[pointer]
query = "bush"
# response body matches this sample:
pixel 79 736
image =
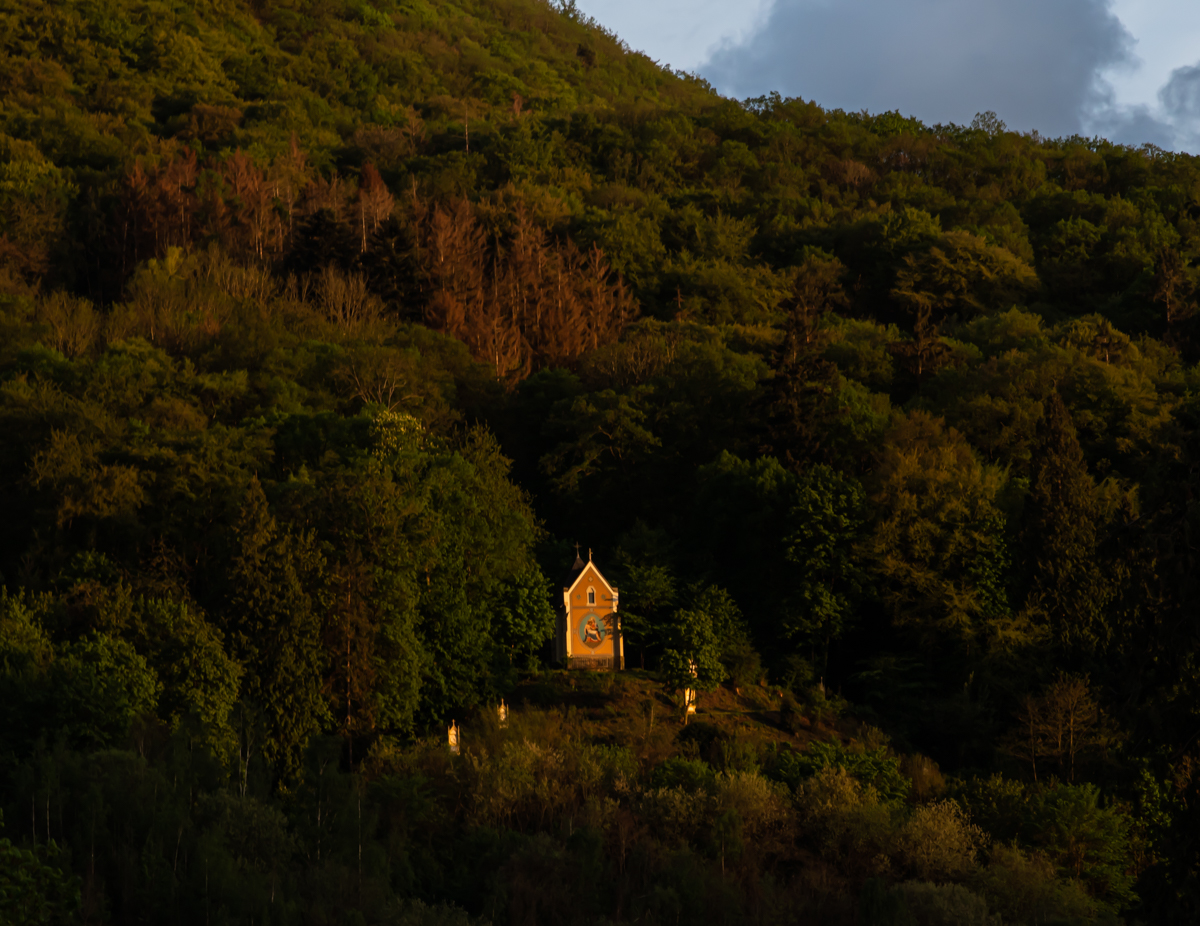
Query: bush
pixel 927 780
pixel 999 805
pixel 742 664
pixel 702 739
pixel 1088 842
pixel 675 815
pixel 1023 888
pixel 791 714
pixel 945 905
pixel 763 807
pixel 845 820
pixel 689 774
pixel 521 783
pixel 417 913
pixel 33 893
pixel 939 841
pixel 871 767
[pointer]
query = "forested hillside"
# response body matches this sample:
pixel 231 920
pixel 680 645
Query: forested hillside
pixel 329 328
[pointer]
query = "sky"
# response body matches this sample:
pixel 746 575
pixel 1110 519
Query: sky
pixel 1128 69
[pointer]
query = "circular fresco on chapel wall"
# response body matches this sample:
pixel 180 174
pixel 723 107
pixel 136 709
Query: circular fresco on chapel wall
pixel 592 629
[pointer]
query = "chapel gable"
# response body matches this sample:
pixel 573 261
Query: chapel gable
pixel 588 634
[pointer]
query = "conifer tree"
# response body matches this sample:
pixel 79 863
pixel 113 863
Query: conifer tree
pixel 1067 584
pixel 803 392
pixel 274 623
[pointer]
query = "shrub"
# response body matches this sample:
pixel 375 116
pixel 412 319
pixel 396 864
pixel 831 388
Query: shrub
pixel 597 769
pixel 762 806
pixel 791 714
pixel 874 767
pixel 999 805
pixel 939 841
pixel 522 783
pixel 845 820
pixel 1023 888
pixel 703 739
pixel 32 892
pixel 418 913
pixel 689 774
pixel 927 780
pixel 945 905
pixel 742 664
pixel 675 815
pixel 1088 842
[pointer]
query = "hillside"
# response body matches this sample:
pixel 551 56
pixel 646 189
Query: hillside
pixel 327 330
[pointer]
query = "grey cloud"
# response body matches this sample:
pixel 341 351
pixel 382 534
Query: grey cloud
pixel 1175 124
pixel 1129 125
pixel 1034 62
pixel 1180 95
pixel 1180 99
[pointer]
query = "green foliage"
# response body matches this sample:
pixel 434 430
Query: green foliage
pixel 525 619
pixel 688 774
pixel 32 892
pixel 938 543
pixel 274 625
pixel 1068 584
pixel 945 904
pixel 829 513
pixel 647 592
pixel 99 686
pixel 200 682
pixel 1020 886
pixel 873 768
pixel 1088 841
pixel 938 841
pixel 692 655
pixel 316 319
pixel 1068 827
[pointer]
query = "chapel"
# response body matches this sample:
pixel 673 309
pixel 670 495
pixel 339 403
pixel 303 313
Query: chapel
pixel 589 634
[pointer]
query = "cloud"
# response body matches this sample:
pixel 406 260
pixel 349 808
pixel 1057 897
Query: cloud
pixel 1173 124
pixel 1129 125
pixel 1180 101
pixel 1036 63
pixel 1180 96
pixel 677 32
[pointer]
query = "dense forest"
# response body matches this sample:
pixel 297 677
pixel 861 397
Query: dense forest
pixel 330 327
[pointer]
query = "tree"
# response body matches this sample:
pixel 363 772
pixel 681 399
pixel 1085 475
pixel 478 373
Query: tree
pixel 828 517
pixel 200 682
pixel 692 657
pixel 26 654
pixel 925 353
pixel 1175 291
pixel 375 203
pixel 99 687
pixel 273 618
pixel 1068 587
pixel 602 432
pixel 524 617
pixel 802 398
pixel 648 592
pixel 1087 840
pixel 959 276
pixel 322 240
pixel 1063 723
pixel 32 892
pixel 937 548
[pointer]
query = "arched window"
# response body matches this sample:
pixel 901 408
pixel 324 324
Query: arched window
pixel 591 596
